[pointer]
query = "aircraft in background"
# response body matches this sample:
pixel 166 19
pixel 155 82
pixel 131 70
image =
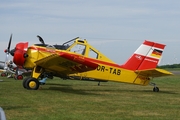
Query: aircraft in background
pixel 2 69
pixel 77 59
pixel 11 70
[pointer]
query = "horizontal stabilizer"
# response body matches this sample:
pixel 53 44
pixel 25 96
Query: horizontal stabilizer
pixel 154 72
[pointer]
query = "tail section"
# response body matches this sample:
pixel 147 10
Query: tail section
pixel 147 56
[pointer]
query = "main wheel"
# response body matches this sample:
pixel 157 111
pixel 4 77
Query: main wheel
pixel 3 74
pixel 19 77
pixel 31 84
pixel 155 89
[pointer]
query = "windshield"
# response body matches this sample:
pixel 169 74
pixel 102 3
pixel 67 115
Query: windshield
pixel 70 42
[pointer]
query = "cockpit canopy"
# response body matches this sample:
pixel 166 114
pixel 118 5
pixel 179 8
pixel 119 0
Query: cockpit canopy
pixel 64 46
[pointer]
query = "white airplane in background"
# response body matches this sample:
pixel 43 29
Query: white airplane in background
pixel 9 69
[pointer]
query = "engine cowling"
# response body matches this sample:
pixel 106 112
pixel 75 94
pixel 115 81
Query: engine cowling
pixel 20 53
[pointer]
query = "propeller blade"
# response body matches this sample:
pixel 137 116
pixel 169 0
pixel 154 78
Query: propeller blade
pixel 7 53
pixel 9 45
pixel 6 61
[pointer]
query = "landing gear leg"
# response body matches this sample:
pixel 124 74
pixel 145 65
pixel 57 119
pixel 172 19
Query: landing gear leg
pixel 155 89
pixel 32 83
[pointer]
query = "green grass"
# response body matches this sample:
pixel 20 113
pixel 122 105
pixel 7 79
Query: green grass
pixel 82 100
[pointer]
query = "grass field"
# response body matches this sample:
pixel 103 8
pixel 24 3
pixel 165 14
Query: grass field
pixel 82 100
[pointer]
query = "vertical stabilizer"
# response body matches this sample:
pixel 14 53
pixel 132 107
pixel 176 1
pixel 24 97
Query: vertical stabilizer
pixel 147 56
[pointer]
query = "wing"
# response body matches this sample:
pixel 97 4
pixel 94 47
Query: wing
pixel 66 63
pixel 154 72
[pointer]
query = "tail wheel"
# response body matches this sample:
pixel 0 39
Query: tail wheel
pixel 31 84
pixel 155 89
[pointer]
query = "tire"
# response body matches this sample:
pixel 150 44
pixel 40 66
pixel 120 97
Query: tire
pixel 155 89
pixel 19 77
pixel 24 82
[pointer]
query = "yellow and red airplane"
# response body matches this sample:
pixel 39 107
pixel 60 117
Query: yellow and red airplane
pixel 76 59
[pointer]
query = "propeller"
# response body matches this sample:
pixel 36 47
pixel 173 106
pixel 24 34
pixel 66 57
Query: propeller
pixel 18 53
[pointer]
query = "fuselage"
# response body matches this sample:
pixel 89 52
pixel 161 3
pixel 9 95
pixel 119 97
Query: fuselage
pixel 107 70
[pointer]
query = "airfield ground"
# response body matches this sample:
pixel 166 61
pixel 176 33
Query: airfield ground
pixel 82 100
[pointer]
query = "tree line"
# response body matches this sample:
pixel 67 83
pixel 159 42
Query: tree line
pixel 169 66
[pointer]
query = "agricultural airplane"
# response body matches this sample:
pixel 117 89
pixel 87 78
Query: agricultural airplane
pixel 76 59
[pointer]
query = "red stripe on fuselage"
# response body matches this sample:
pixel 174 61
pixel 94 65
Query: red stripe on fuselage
pixel 85 58
pixel 42 49
pixel 75 58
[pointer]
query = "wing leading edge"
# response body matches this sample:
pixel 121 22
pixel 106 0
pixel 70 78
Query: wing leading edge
pixel 154 72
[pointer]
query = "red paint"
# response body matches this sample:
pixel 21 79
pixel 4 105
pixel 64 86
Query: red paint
pixel 148 63
pixel 149 43
pixel 161 46
pixel 20 50
pixel 78 59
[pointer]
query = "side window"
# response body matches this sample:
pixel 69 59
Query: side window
pixel 93 54
pixel 80 49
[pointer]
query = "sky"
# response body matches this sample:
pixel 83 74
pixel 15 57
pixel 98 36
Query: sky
pixel 115 27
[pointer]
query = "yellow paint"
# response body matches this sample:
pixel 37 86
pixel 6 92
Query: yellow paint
pixel 155 55
pixel 125 76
